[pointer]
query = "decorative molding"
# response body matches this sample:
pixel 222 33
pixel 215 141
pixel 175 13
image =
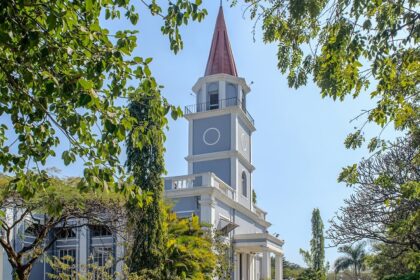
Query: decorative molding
pixel 221 155
pixel 222 111
pixel 205 140
pixel 221 77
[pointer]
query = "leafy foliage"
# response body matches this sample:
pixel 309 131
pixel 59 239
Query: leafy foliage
pixel 392 260
pixel 254 197
pixel 189 250
pixel 409 276
pixel 349 47
pixel 62 76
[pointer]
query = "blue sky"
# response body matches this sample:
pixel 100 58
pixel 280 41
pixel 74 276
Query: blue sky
pixel 298 147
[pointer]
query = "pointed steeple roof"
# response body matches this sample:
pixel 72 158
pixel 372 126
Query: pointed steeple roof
pixel 221 56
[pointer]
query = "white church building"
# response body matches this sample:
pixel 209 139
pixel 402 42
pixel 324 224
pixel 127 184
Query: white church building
pixel 218 187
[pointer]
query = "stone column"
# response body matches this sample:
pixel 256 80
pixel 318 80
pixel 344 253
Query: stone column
pixel 252 267
pixel 266 265
pixel 279 267
pixel 244 266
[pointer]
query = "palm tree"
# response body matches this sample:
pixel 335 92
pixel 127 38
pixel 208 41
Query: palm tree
pixel 354 257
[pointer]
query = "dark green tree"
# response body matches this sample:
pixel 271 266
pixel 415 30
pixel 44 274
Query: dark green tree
pixel 392 260
pixel 146 164
pixel 354 258
pixel 315 258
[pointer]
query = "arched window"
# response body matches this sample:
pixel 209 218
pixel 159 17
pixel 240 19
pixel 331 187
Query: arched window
pixel 244 184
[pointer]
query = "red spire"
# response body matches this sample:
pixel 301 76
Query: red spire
pixel 220 57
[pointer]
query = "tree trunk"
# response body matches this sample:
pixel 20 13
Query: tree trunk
pixel 21 273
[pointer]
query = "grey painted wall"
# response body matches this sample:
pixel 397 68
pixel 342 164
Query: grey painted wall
pixel 246 225
pixel 220 167
pixel 222 124
pixel 222 209
pixel 186 204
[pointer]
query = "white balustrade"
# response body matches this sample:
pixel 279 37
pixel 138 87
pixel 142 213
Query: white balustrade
pixel 207 180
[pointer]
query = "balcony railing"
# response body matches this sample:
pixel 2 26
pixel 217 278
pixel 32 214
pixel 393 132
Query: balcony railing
pixel 207 179
pixel 222 103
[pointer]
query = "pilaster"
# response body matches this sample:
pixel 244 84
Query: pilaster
pixel 83 248
pixel 279 267
pixel 252 267
pixel 207 211
pixel 222 91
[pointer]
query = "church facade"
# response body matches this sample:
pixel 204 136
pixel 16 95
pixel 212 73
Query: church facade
pixel 218 186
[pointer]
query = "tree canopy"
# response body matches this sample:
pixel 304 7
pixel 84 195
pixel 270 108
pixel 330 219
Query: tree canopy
pixel 61 75
pixel 349 48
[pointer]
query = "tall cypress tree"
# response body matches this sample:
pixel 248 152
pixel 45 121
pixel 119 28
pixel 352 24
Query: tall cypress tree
pixel 315 258
pixel 317 242
pixel 145 162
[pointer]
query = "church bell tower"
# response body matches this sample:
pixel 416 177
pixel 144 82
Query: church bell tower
pixel 220 127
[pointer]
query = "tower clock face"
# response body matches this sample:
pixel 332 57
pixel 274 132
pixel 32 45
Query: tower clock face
pixel 211 136
pixel 244 142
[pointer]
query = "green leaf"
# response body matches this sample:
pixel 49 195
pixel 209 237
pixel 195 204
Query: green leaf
pixel 86 84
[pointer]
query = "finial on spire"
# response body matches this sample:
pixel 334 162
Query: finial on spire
pixel 221 4
pixel 220 57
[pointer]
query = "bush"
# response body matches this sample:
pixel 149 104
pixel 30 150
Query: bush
pixel 410 276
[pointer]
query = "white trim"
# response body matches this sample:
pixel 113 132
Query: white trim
pixel 222 155
pixel 221 77
pixel 220 112
pixel 67 246
pixel 205 134
pixel 224 217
